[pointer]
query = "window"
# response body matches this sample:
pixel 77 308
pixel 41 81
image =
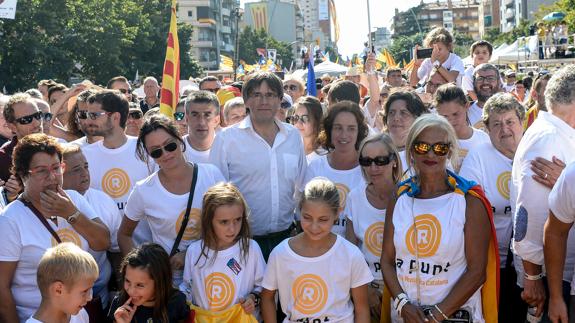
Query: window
pixel 190 13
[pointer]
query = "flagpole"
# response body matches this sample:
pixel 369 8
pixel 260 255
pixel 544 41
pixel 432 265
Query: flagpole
pixel 369 26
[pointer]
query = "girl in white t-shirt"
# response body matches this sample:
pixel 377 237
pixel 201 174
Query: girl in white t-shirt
pixel 317 273
pixel 225 267
pixel 366 205
pixel 451 103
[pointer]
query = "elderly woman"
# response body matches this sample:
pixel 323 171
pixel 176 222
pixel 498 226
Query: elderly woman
pixel 366 204
pixel 344 128
pixel 437 235
pixel 234 111
pixel 489 164
pixel 400 111
pixel 307 118
pixel 44 215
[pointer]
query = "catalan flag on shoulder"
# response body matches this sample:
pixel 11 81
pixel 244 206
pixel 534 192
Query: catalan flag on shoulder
pixel 171 76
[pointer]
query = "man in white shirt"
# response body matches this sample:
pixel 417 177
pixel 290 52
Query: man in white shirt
pixel 114 167
pixel 202 117
pixel 265 159
pixel 552 134
pixel 486 82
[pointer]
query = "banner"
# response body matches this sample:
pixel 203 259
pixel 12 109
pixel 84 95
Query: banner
pixel 8 9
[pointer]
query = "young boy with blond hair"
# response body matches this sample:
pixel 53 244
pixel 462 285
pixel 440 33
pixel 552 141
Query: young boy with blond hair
pixel 66 274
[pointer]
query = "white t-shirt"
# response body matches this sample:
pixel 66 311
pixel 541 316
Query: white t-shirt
pixel 81 317
pixel 367 226
pixel 108 212
pixel 548 136
pixel 344 180
pixel 25 241
pixel 477 138
pixel 307 292
pixel 217 284
pixel 437 225
pixel 453 63
pixel 562 201
pixel 489 168
pixel 164 211
pixel 115 172
pixel 195 156
pixel 475 115
pixel 82 142
pixel 467 81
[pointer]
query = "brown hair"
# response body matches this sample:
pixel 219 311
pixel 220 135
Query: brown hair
pixel 153 123
pixel 315 112
pixel 255 80
pixel 449 93
pixel 29 146
pixel 412 101
pixel 16 99
pixel 343 106
pixel 484 43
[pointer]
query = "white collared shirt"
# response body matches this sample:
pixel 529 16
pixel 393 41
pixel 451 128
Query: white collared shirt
pixel 548 136
pixel 268 177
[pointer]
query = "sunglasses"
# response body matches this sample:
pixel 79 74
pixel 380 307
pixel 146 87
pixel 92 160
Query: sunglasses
pixel 378 160
pixel 290 87
pixel 83 114
pixel 135 115
pixel 439 149
pixel 179 116
pixel 158 152
pixel 29 118
pixel 47 116
pixel 304 118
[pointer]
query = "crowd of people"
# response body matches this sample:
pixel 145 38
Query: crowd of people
pixel 441 194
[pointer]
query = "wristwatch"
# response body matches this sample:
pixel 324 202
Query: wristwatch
pixel 257 298
pixel 74 217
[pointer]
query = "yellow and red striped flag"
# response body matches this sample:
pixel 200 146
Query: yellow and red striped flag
pixel 171 77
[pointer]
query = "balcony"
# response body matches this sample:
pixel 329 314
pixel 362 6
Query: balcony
pixel 204 43
pixel 226 11
pixel 226 29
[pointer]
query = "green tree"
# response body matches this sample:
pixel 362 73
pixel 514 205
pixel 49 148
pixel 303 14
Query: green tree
pixel 89 39
pixel 251 40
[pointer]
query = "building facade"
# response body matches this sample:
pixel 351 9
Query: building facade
pixel 214 23
pixel 514 11
pixel 489 16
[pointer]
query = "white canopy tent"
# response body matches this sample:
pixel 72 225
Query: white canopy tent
pixel 326 67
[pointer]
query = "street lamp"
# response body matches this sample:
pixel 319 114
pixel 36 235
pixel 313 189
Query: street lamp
pixel 238 12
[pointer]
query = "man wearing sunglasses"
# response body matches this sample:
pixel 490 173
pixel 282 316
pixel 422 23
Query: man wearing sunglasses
pixel 211 84
pixel 23 117
pixel 265 159
pixel 202 117
pixel 135 120
pixel 114 167
pixel 121 84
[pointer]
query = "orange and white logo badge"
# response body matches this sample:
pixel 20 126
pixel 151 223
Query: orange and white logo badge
pixel 427 235
pixel 343 191
pixel 310 294
pixel 373 238
pixel 220 291
pixel 503 184
pixel 192 231
pixel 116 183
pixel 67 235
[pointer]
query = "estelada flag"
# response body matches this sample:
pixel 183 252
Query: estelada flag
pixel 171 78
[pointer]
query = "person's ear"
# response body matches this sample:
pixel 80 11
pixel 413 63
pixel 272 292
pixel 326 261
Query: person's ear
pixel 57 288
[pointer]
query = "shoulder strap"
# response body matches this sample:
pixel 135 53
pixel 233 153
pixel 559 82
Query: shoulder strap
pixel 187 214
pixel 41 218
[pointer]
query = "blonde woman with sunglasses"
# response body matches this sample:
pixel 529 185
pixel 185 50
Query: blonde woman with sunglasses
pixel 438 249
pixel 162 198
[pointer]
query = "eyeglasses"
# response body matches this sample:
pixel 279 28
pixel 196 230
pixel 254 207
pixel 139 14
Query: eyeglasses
pixel 28 119
pixel 158 152
pixel 135 115
pixel 212 90
pixel 44 172
pixel 47 116
pixel 268 96
pixel 304 118
pixel 439 149
pixel 285 105
pixel 486 78
pixel 124 91
pixel 290 87
pixel 179 116
pixel 378 160
pixel 83 114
